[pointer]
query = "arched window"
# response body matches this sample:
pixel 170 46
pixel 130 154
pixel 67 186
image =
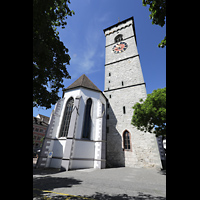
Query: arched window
pixel 119 38
pixel 87 119
pixel 126 140
pixel 66 118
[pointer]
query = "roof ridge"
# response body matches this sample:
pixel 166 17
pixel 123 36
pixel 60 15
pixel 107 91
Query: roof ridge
pixel 83 81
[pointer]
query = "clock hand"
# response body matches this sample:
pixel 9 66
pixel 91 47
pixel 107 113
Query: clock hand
pixel 119 47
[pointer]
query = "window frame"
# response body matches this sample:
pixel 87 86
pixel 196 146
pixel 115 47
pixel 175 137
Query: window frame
pixel 87 120
pixel 66 118
pixel 118 38
pixel 124 110
pixel 125 139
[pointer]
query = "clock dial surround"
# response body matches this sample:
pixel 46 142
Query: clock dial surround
pixel 119 47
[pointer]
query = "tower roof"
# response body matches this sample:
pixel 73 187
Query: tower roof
pixel 84 82
pixel 130 18
pixel 121 22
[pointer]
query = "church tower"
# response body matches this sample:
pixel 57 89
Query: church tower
pixel 124 86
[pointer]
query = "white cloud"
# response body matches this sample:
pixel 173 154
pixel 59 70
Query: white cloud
pixel 83 63
pixel 90 49
pixel 84 59
pixel 104 17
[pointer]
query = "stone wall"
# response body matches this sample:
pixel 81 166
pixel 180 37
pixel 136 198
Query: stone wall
pixel 124 86
pixel 144 151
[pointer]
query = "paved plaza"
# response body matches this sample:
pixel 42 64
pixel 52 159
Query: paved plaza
pixel 112 183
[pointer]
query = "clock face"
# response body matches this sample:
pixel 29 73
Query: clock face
pixel 119 47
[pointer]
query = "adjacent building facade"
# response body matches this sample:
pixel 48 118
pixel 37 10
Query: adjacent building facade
pixel 40 124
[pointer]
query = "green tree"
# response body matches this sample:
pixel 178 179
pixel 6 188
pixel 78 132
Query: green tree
pixel 50 56
pixel 150 115
pixel 158 14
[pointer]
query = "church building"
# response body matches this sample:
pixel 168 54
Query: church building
pixel 92 129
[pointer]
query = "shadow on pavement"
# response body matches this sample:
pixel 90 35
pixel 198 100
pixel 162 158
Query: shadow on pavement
pixel 100 196
pixel 140 196
pixel 162 172
pixel 46 171
pixel 49 183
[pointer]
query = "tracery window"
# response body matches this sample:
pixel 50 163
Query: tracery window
pixel 66 118
pixel 119 38
pixel 126 140
pixel 87 119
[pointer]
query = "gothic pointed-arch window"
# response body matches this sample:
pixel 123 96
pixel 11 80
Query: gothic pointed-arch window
pixel 119 38
pixel 126 140
pixel 66 118
pixel 87 119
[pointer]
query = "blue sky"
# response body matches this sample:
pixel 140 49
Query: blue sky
pixel 84 38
